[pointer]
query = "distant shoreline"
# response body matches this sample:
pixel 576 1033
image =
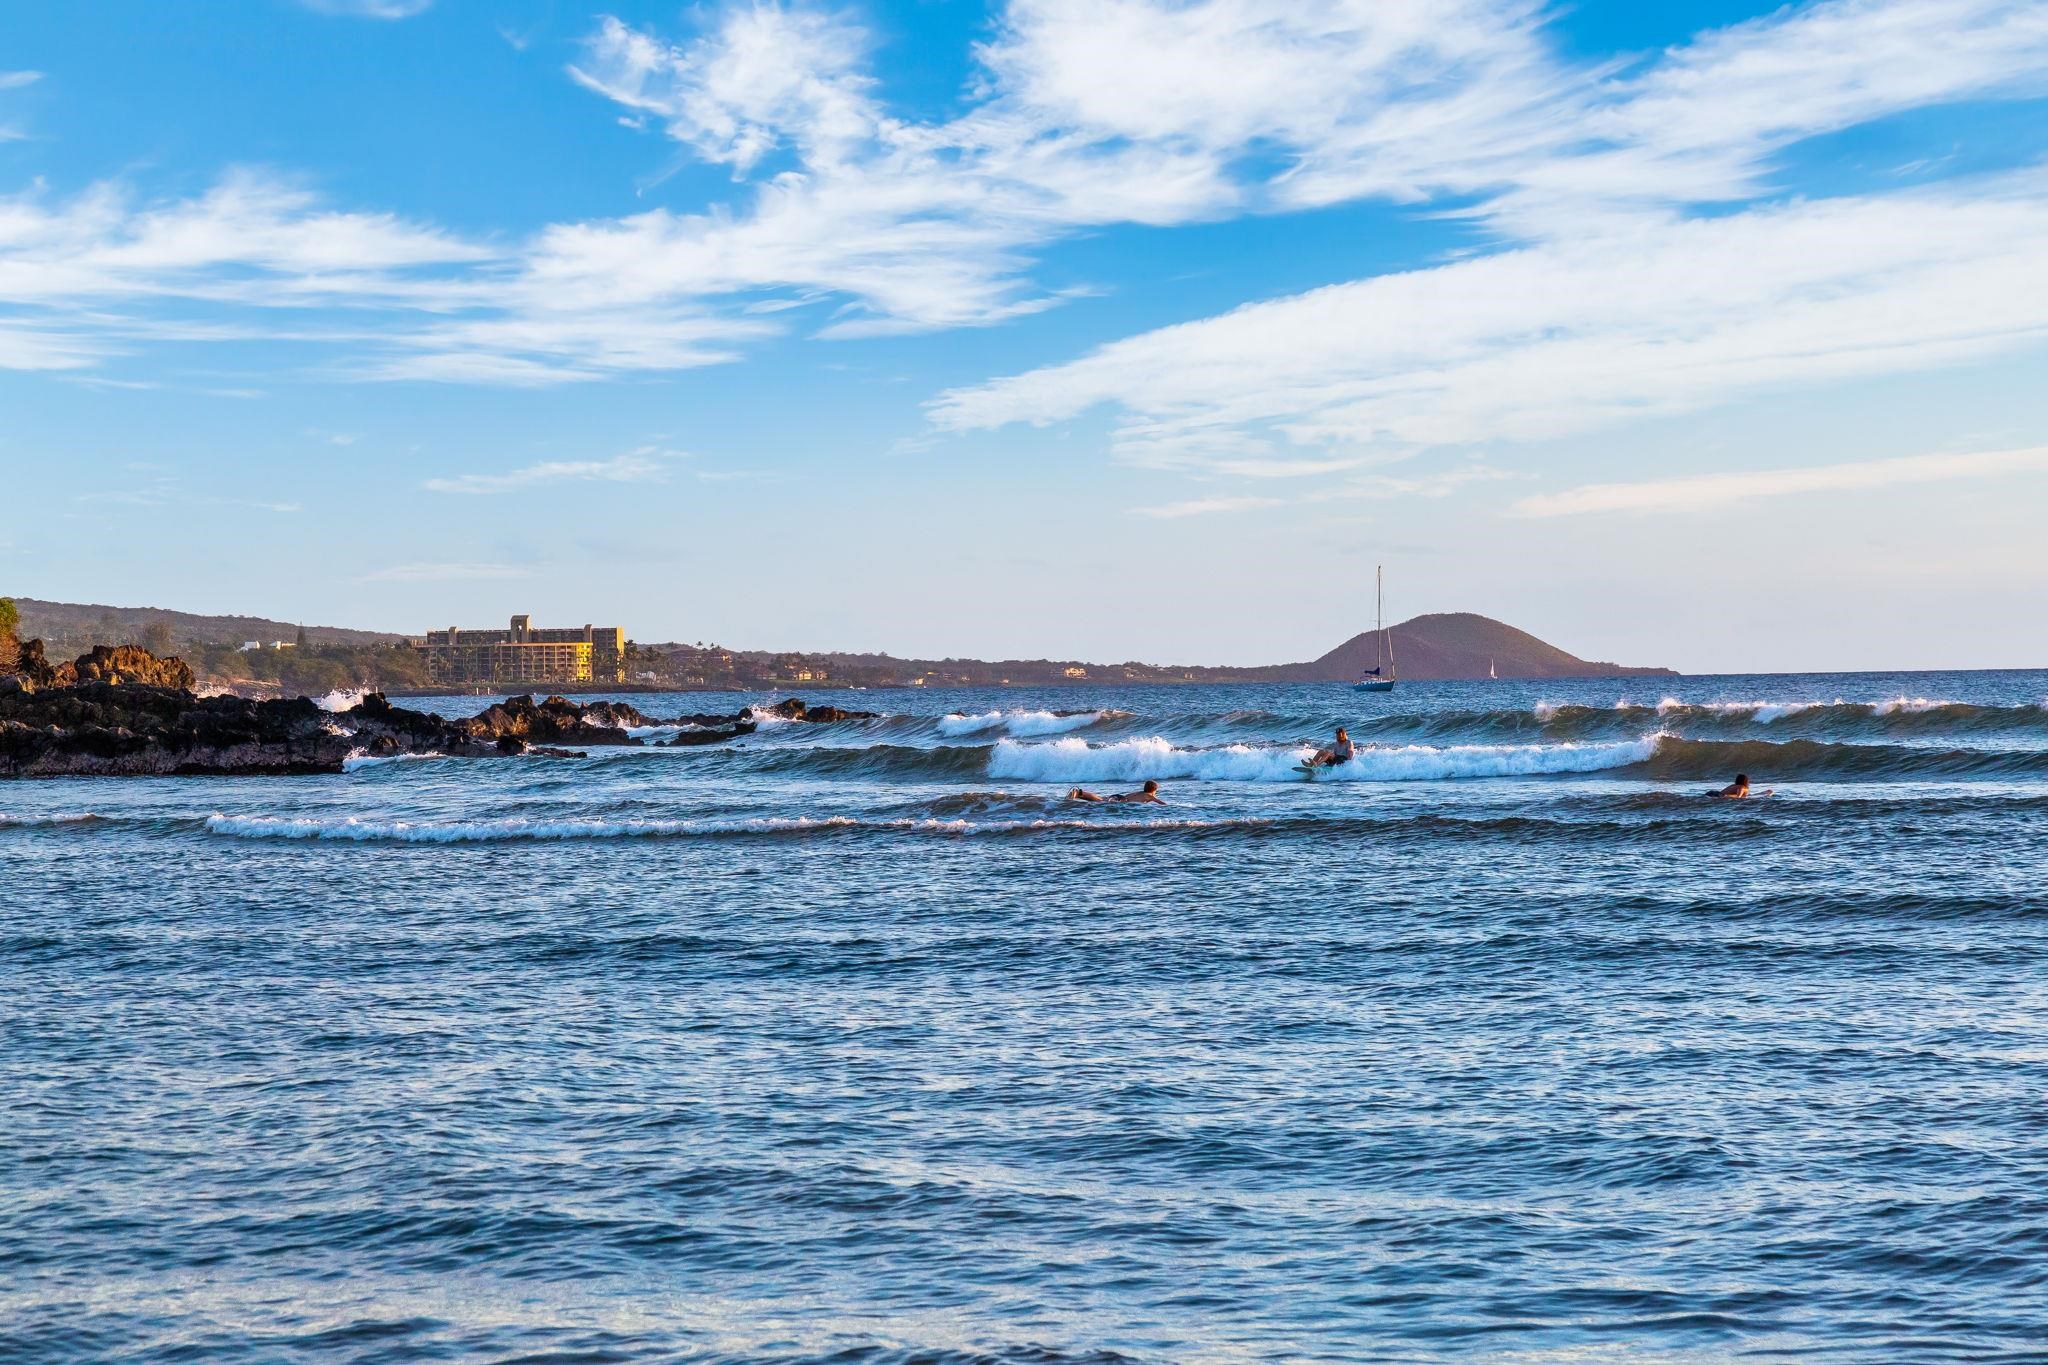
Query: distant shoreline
pixel 1439 646
pixel 516 688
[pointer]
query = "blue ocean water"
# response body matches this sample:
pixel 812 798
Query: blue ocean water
pixel 860 1043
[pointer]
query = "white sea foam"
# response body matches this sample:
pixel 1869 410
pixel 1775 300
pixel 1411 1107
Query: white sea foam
pixel 354 829
pixel 1024 724
pixel 1762 712
pixel 340 699
pixel 359 760
pixel 1134 760
pixel 1910 705
pixel 44 821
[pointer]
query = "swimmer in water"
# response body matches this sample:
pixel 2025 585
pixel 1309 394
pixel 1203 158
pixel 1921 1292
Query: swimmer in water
pixel 1738 789
pixel 1150 794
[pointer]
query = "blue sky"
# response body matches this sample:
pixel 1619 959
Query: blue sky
pixel 1709 334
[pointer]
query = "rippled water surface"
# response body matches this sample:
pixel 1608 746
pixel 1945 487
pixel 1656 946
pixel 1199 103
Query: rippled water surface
pixel 861 1043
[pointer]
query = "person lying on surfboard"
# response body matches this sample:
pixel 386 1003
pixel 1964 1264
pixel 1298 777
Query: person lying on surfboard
pixel 1738 789
pixel 1150 793
pixel 1340 751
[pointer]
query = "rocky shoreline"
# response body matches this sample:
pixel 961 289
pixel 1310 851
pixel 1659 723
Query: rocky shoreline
pixel 126 713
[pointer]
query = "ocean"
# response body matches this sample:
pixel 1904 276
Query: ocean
pixel 860 1043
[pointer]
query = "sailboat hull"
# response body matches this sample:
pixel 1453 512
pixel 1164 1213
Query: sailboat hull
pixel 1374 685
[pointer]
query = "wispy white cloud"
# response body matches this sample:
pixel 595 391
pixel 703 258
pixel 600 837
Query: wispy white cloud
pixel 1365 486
pixel 920 225
pixel 47 347
pixel 1198 507
pixel 99 273
pixel 1093 112
pixel 848 219
pixel 1546 147
pixel 101 243
pixel 444 573
pixel 1569 335
pixel 1606 302
pixel 1708 492
pixel 633 468
pixel 1439 485
pixel 15 80
pixel 127 497
pixel 370 9
pixel 165 490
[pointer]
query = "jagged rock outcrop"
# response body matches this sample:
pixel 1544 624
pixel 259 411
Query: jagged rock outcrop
pixel 795 709
pixel 32 670
pixel 116 664
pixel 125 720
pixel 136 730
pixel 102 729
pixel 119 664
pixel 377 729
pixel 555 721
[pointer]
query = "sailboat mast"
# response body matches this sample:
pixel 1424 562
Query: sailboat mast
pixel 1379 614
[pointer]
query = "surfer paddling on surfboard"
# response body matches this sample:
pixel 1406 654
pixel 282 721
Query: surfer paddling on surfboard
pixel 1150 793
pixel 1738 789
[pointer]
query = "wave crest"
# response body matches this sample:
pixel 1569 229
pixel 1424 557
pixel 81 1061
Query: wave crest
pixel 1024 724
pixel 46 821
pixel 1134 760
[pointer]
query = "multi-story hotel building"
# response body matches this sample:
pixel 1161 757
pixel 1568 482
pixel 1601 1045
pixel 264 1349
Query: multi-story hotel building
pixel 525 654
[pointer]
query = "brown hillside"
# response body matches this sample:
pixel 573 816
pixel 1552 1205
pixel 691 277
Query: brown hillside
pixel 76 625
pixel 1458 644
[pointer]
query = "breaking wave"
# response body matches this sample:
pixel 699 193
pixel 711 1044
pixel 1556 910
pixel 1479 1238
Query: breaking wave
pixel 1024 724
pixel 46 821
pixel 1762 712
pixel 1812 718
pixel 359 760
pixel 1075 760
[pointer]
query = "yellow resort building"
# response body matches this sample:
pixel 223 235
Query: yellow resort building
pixel 524 653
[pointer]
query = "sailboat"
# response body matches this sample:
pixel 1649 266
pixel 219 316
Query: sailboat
pixel 1382 678
pixel 1489 671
